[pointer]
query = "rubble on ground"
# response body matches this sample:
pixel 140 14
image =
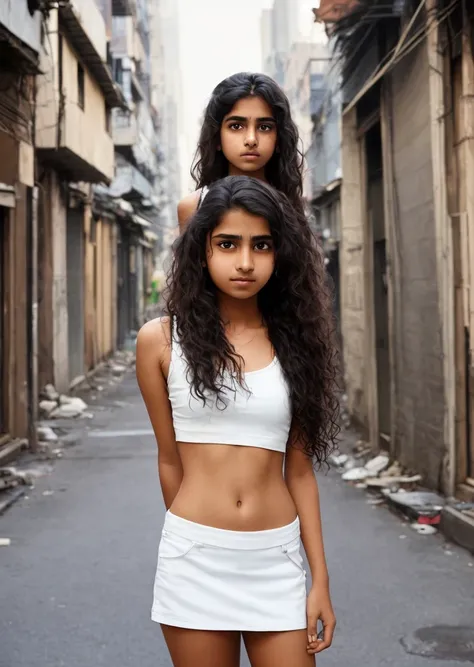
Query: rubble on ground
pixel 388 483
pixel 59 406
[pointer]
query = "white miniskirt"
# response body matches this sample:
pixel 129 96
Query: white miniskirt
pixel 214 579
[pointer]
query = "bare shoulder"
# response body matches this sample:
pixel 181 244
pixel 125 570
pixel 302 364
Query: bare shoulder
pixel 153 338
pixel 187 207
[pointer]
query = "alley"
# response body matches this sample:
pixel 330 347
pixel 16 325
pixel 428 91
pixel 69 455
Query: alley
pixel 76 580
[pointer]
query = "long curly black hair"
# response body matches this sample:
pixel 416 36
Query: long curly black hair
pixel 284 170
pixel 295 305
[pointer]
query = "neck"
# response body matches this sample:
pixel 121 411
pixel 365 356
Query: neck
pixel 260 174
pixel 239 313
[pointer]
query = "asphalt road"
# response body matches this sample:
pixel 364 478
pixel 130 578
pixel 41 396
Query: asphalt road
pixel 76 582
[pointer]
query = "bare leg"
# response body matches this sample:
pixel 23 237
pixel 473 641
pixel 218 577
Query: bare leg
pixel 278 649
pixel 192 648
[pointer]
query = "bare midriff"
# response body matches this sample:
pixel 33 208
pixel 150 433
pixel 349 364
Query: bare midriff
pixel 233 487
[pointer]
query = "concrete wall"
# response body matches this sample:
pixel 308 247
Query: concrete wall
pixel 418 348
pixel 353 307
pixel 83 131
pixel 100 289
pixel 59 285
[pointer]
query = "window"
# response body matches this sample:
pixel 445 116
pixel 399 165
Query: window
pixel 80 86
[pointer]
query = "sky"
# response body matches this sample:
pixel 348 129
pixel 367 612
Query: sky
pixel 217 38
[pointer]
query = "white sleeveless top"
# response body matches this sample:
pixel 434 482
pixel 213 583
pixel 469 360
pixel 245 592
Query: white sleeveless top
pixel 259 416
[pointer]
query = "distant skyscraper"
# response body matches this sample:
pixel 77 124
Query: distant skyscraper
pixel 167 98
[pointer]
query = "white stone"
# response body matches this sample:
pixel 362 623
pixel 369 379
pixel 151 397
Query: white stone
pixel 46 434
pixel 118 369
pixel 67 411
pixel 46 407
pixel 50 393
pixel 73 400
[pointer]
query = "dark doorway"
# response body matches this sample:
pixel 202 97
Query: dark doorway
pixel 375 212
pixel 3 364
pixel 75 291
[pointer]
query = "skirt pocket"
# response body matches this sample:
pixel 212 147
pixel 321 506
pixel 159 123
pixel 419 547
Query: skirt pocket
pixel 293 553
pixel 174 546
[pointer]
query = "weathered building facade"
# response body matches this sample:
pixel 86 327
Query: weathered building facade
pixel 20 39
pixel 406 235
pixel 74 149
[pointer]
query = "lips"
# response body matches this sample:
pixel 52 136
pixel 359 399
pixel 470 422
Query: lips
pixel 242 280
pixel 250 155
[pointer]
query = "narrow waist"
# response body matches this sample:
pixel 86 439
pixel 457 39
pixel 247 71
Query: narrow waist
pixel 231 539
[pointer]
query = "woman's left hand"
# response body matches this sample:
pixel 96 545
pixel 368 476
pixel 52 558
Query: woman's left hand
pixel 319 606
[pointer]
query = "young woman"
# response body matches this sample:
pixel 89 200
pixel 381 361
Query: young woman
pixel 247 130
pixel 239 380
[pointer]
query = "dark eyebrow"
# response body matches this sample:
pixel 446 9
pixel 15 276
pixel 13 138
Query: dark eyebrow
pixel 236 237
pixel 243 119
pixel 228 237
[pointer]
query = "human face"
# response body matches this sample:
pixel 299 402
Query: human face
pixel 249 137
pixel 240 254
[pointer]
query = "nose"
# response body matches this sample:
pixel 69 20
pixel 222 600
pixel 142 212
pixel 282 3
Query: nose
pixel 245 260
pixel 251 138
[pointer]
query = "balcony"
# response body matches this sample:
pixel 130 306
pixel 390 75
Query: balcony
pixel 80 149
pixel 129 183
pixel 84 27
pixel 16 18
pixel 124 128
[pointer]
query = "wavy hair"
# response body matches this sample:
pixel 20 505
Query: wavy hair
pixel 295 305
pixel 284 170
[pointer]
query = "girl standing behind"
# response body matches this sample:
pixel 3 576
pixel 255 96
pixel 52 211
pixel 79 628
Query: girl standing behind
pixel 247 130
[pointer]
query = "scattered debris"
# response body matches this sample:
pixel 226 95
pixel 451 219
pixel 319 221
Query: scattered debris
pixel 377 464
pixel 46 434
pixel 73 407
pixel 117 369
pixel 422 506
pixel 375 501
pixel 356 474
pixel 73 400
pixel 424 529
pixel 46 407
pixel 60 406
pixel 5 541
pixel 48 493
pixel 393 482
pixel 49 393
pixel 339 460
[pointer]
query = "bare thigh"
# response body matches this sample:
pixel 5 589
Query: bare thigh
pixel 278 649
pixel 190 648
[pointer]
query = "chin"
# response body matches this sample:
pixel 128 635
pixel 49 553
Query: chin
pixel 251 168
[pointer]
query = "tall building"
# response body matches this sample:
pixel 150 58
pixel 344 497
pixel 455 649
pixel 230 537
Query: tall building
pixel 166 98
pixel 294 53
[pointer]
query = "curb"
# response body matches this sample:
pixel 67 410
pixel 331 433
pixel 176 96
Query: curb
pixel 10 452
pixel 10 497
pixel 458 527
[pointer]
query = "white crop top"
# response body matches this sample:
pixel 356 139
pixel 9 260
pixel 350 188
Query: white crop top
pixel 261 418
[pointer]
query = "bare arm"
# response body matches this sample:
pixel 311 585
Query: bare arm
pixel 303 487
pixel 153 353
pixel 187 208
